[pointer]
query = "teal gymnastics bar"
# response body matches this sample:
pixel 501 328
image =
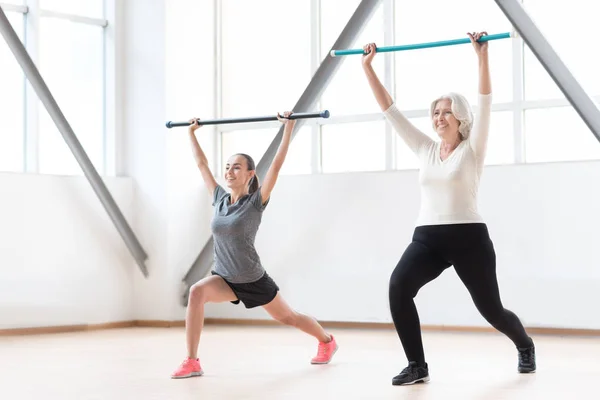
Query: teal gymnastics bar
pixel 387 49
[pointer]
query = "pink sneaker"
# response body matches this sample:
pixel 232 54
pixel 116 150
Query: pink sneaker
pixel 325 352
pixel 188 368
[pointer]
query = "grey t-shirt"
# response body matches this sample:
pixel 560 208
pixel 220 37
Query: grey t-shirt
pixel 234 228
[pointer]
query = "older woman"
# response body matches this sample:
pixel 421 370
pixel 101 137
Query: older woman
pixel 449 229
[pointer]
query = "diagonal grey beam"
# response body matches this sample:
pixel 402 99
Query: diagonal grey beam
pixel 41 89
pixel 309 97
pixel 550 60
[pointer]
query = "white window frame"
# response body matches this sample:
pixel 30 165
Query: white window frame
pixel 14 8
pixel 218 89
pixel 517 106
pixel 112 118
pixel 315 129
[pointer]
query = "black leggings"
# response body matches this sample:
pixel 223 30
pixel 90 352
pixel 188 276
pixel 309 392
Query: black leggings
pixel 434 248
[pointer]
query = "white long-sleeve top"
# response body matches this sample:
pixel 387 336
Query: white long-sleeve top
pixel 449 188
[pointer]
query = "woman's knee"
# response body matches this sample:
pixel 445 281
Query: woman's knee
pixel 198 294
pixel 400 286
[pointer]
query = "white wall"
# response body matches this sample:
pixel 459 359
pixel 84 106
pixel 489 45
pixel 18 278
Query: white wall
pixel 332 241
pixel 62 261
pixel 145 147
pixel 168 75
pixel 190 92
pixel 91 276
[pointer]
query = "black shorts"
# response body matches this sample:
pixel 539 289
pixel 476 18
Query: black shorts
pixel 254 294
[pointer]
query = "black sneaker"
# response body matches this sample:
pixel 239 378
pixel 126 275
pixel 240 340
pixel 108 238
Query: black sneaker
pixel 412 374
pixel 526 359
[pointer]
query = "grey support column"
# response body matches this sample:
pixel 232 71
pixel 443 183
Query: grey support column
pixel 41 89
pixel 550 60
pixel 311 95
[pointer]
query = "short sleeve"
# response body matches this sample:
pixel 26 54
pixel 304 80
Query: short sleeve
pixel 256 200
pixel 219 194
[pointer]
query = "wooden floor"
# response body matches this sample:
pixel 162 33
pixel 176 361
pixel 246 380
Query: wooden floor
pixel 273 363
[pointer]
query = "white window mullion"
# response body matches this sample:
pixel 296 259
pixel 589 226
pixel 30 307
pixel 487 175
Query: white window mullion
pixel 316 154
pixel 389 81
pixel 343 119
pixel 14 7
pixel 315 41
pixel 113 106
pixel 218 89
pixel 32 104
pixel 547 103
pixel 518 93
pixel 74 18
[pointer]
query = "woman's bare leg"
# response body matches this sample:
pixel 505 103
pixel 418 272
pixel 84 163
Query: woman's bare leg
pixel 282 312
pixel 212 289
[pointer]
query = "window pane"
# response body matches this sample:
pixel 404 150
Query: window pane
pixel 72 64
pixel 266 62
pixel 349 92
pixel 563 25
pixel 422 75
pixel 12 84
pixel 558 134
pixel 255 142
pixel 501 143
pixel 500 149
pixel 86 8
pixel 358 146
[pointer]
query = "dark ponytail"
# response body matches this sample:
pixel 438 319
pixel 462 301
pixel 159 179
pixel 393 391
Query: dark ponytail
pixel 253 184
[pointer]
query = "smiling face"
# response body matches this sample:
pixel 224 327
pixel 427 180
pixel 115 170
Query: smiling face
pixel 237 173
pixel 451 117
pixel 444 121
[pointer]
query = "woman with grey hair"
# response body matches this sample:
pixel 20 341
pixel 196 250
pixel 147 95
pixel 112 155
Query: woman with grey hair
pixel 449 229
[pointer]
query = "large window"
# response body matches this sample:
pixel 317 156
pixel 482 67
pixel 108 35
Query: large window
pixel 265 55
pixel 85 8
pixel 12 103
pixel 358 146
pixel 66 41
pixel 553 131
pixel 558 134
pixel 71 61
pixel 255 142
pixel 349 92
pixel 423 75
pixel 563 25
pixel 528 110
pixel 265 67
pixel 501 147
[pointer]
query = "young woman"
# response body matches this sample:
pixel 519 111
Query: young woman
pixel 449 229
pixel 238 274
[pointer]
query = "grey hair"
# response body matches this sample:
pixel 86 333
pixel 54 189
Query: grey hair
pixel 461 109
